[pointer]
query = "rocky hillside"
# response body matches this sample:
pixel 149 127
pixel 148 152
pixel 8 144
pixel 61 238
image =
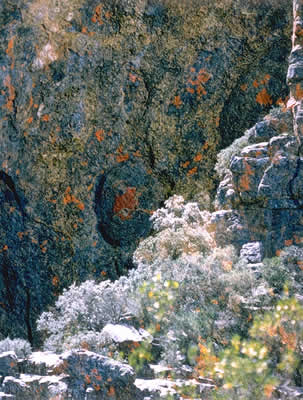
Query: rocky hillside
pixel 106 109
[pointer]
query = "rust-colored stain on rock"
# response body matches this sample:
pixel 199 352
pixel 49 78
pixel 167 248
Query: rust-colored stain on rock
pixel 263 98
pixel 126 203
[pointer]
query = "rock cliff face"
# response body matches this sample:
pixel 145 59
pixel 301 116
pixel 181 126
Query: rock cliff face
pixel 107 108
pixel 261 196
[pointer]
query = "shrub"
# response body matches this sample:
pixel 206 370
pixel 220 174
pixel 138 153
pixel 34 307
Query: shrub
pixel 83 310
pixel 21 347
pixel 254 368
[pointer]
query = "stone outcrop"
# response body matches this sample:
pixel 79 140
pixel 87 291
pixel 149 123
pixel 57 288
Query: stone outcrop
pixel 260 201
pixel 72 375
pixel 106 108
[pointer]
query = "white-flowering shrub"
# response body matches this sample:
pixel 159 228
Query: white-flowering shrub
pixel 21 347
pixel 181 232
pixel 85 308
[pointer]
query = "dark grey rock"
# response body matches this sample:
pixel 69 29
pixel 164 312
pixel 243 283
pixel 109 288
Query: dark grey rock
pixel 8 364
pixel 87 370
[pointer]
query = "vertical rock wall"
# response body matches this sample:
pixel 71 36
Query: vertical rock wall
pixel 295 71
pixel 260 200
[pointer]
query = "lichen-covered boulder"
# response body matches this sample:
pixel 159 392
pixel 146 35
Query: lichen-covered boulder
pixel 106 109
pixel 100 376
pixel 8 363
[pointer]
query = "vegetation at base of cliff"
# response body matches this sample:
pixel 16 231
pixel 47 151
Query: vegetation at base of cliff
pixel 205 308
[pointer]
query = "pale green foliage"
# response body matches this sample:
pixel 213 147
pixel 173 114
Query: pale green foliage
pixel 254 368
pixel 21 347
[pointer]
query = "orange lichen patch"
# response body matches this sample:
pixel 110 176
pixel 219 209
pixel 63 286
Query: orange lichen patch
pixel 81 206
pixel 192 171
pixel 31 101
pixel 278 253
pixel 67 197
pixel 244 183
pixel 185 164
pixel 36 105
pixel 111 391
pixel 20 235
pixel 96 387
pixel 122 157
pixel 266 79
pixel 255 83
pixel 137 154
pixel 177 102
pixel 11 93
pixel 43 250
pixel 300 264
pixel 190 90
pixel 55 281
pixel 84 30
pixel 10 51
pixel 201 90
pixel 45 118
pixel 100 135
pixel 108 15
pixel 299 92
pixel 126 203
pixel 103 273
pixel 203 76
pixel 29 120
pixel 298 239
pixel 288 242
pixel 205 146
pixel 10 47
pixel 70 198
pixel 198 157
pixel 87 379
pixel 11 210
pixel 89 187
pixel 217 121
pixel 244 87
pixel 5 247
pixel 263 98
pixel 132 77
pixel 97 15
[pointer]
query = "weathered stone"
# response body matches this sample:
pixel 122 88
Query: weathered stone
pixel 87 370
pixel 8 364
pixel 252 252
pixel 35 387
pixel 40 363
pixel 261 131
pixel 5 396
pixel 247 175
pixel 124 334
